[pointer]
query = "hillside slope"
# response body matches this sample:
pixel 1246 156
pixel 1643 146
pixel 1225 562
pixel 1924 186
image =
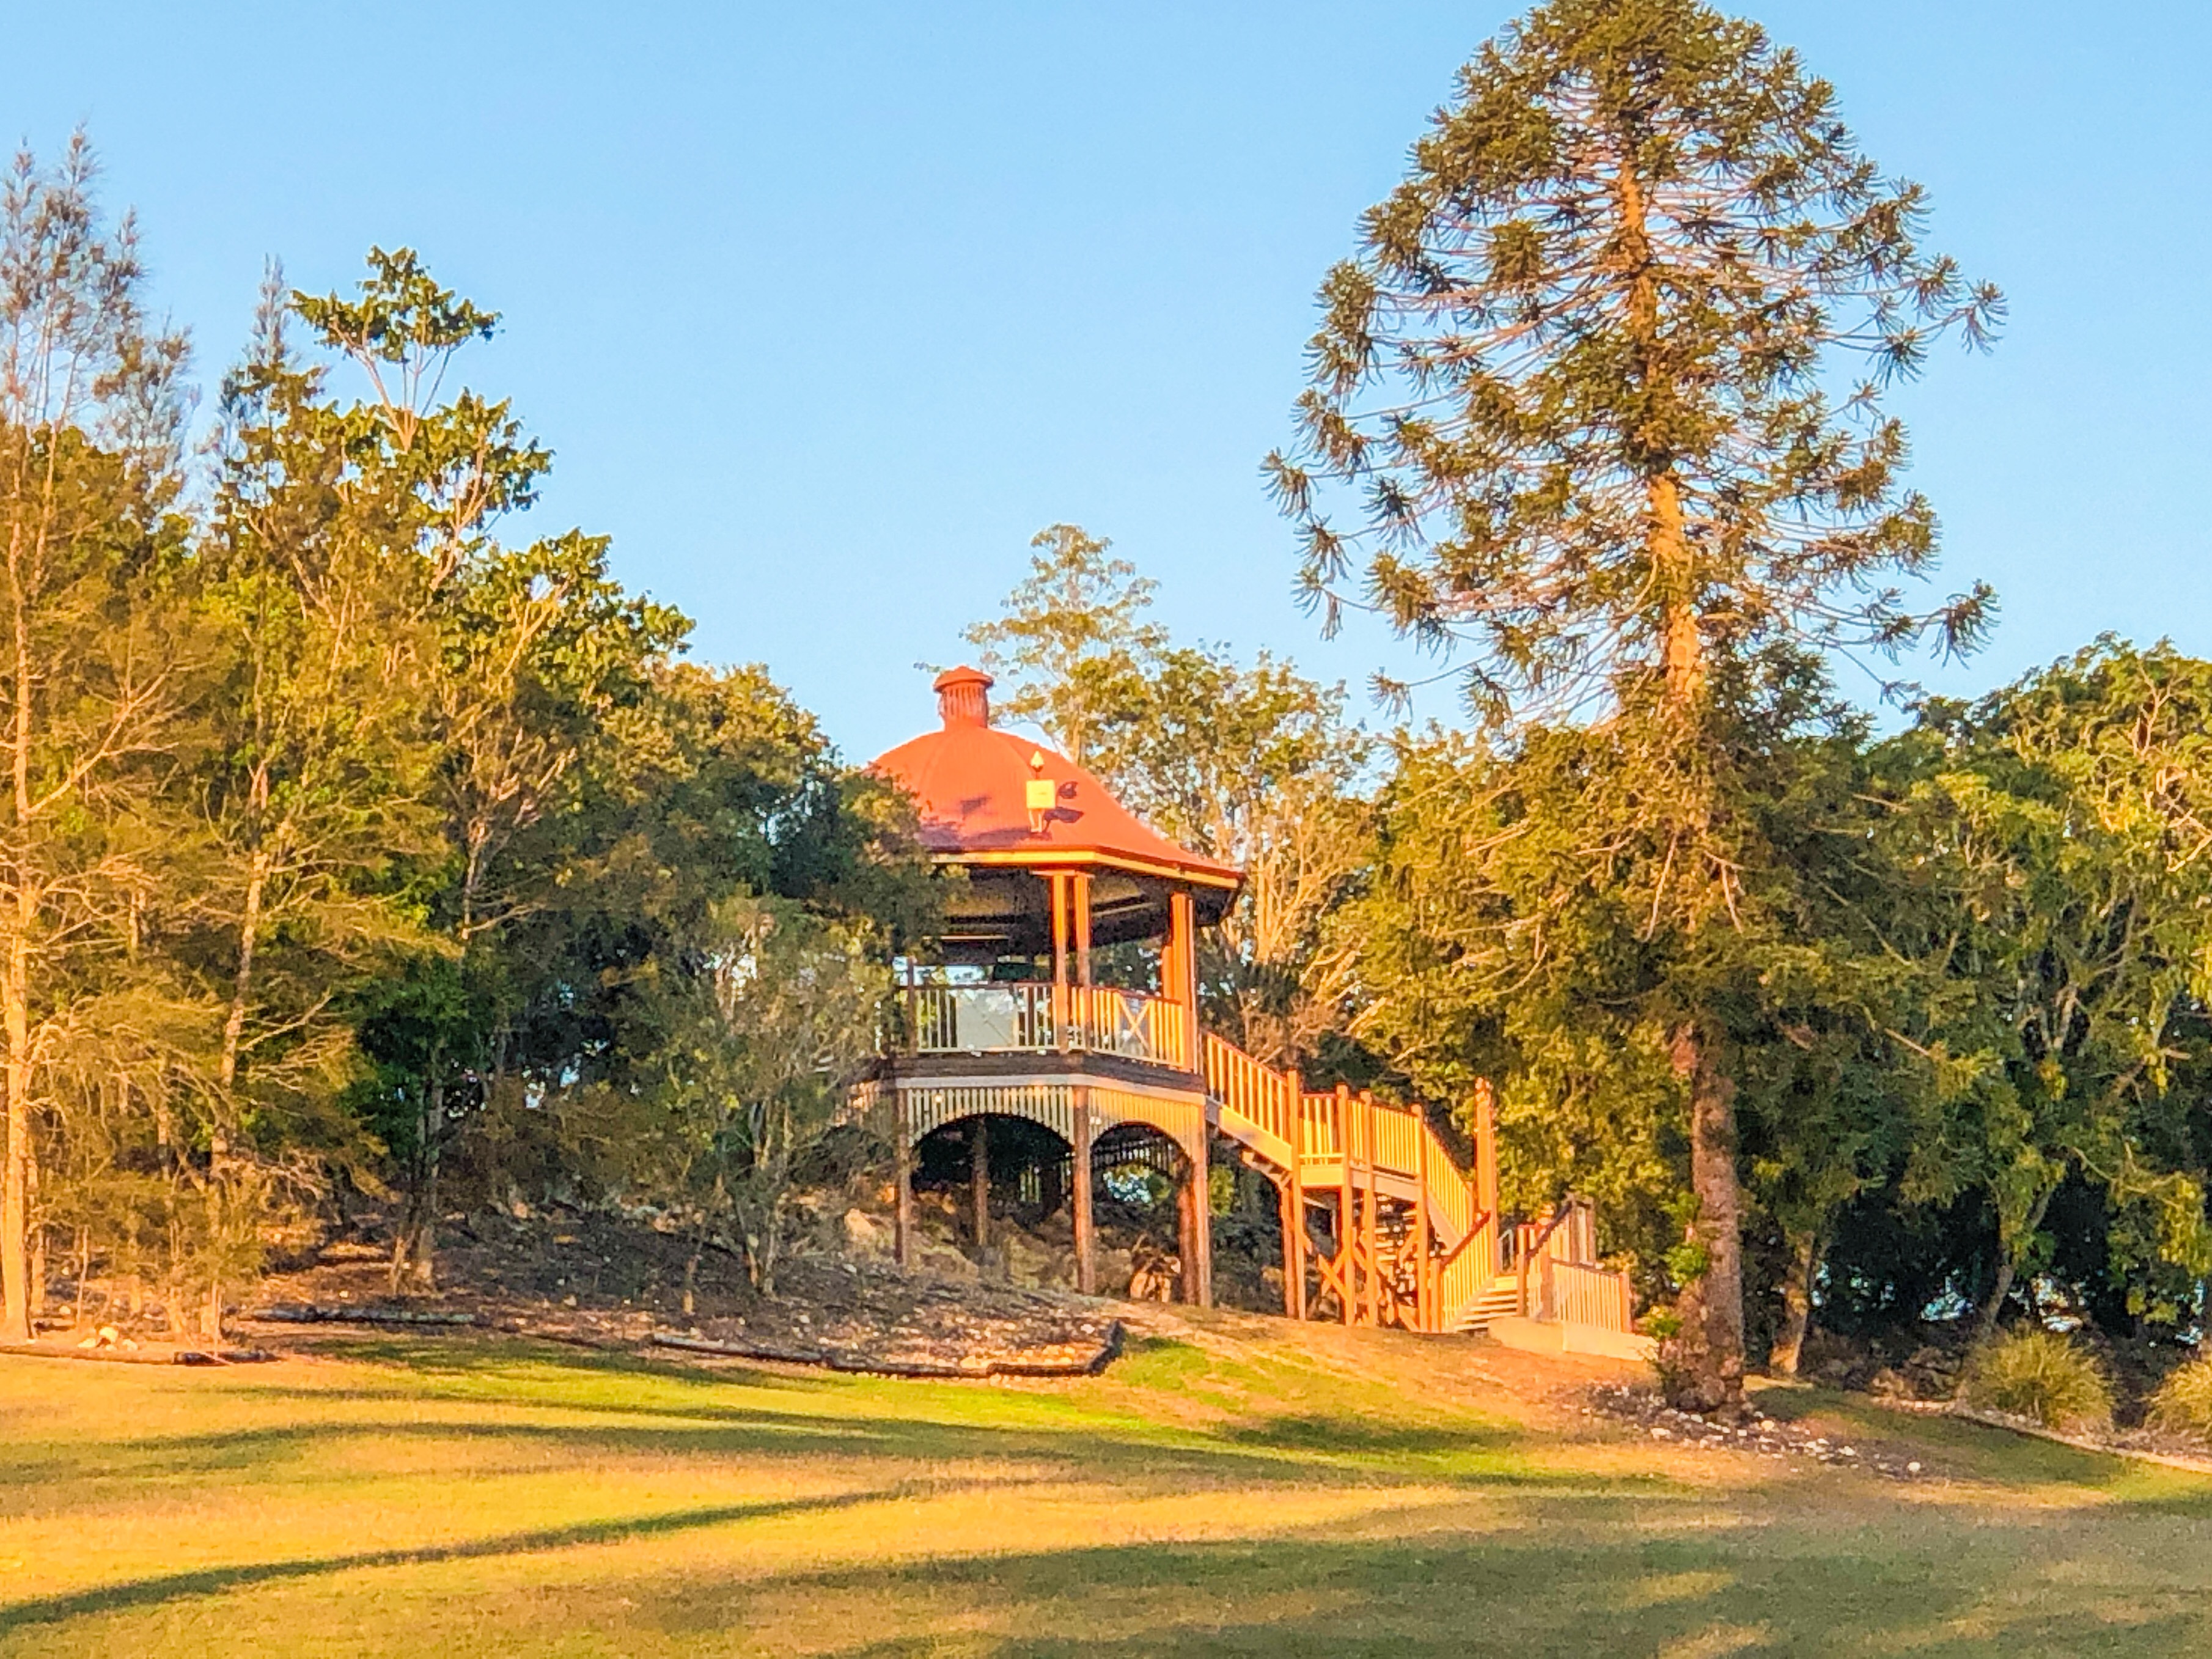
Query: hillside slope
pixel 1234 1486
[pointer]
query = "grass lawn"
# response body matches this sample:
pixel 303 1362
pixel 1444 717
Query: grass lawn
pixel 1230 1488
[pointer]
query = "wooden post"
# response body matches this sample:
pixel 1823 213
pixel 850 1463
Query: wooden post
pixel 1082 883
pixel 979 1179
pixel 902 1223
pixel 1486 1147
pixel 1294 1231
pixel 1347 1246
pixel 1086 1274
pixel 1187 1236
pixel 1183 937
pixel 1373 1252
pixel 1058 881
pixel 1423 1302
pixel 1198 1266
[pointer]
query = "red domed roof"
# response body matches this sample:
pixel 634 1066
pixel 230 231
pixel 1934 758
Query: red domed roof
pixel 973 783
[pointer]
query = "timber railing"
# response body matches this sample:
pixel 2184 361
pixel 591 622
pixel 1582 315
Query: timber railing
pixel 1037 1017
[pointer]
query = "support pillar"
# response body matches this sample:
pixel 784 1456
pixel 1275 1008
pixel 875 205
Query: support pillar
pixel 1080 891
pixel 1058 880
pixel 1197 1217
pixel 1086 1267
pixel 979 1180
pixel 1294 1209
pixel 1347 1246
pixel 902 1161
pixel 1187 1238
pixel 1368 1226
pixel 1183 941
pixel 1424 1311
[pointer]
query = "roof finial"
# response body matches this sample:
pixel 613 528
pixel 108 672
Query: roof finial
pixel 962 696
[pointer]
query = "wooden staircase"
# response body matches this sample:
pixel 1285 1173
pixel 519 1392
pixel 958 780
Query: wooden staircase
pixel 1411 1240
pixel 1501 1300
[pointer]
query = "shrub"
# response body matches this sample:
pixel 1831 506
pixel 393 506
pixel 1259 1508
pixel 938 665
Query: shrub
pixel 2042 1375
pixel 2182 1404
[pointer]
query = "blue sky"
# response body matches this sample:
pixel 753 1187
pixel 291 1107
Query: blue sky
pixel 825 309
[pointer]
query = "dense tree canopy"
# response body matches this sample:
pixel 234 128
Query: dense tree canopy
pixel 351 841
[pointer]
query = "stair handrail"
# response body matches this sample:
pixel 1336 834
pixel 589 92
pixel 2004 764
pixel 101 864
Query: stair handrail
pixel 1560 1214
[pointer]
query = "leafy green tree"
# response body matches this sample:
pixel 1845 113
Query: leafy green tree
pixel 95 642
pixel 1260 767
pixel 531 651
pixel 1575 391
pixel 692 1008
pixel 319 771
pixel 764 1040
pixel 2058 836
pixel 1072 638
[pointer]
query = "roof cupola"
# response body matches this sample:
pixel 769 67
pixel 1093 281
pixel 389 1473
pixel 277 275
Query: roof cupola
pixel 963 696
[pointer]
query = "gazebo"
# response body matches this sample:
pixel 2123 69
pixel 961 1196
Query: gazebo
pixel 1011 1019
pixel 1014 1017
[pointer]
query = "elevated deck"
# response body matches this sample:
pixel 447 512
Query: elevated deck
pixel 1379 1218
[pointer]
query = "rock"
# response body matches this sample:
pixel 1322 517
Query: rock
pixel 1035 1263
pixel 1114 1266
pixel 934 1257
pixel 865 1237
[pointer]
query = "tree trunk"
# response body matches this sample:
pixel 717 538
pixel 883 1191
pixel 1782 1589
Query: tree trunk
pixel 1985 1324
pixel 414 1246
pixel 16 1180
pixel 16 987
pixel 1705 1364
pixel 1797 1304
pixel 422 1247
pixel 241 986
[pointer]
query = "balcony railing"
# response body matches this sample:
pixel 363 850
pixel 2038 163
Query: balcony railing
pixel 1028 1016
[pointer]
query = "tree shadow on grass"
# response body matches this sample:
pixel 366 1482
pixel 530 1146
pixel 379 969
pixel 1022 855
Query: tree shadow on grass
pixel 948 1421
pixel 214 1580
pixel 1578 1579
pixel 1309 1451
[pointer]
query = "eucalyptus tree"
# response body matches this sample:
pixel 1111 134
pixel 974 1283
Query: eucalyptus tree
pixel 1071 638
pixel 318 777
pixel 527 652
pixel 95 645
pixel 1256 765
pixel 1580 413
pixel 1260 767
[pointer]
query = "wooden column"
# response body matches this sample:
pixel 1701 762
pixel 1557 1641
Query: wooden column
pixel 979 1179
pixel 1424 1298
pixel 1086 1268
pixel 903 1159
pixel 1186 1238
pixel 1347 1214
pixel 1294 1208
pixel 1198 1266
pixel 1182 939
pixel 1368 1222
pixel 1486 1147
pixel 1057 880
pixel 1081 882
